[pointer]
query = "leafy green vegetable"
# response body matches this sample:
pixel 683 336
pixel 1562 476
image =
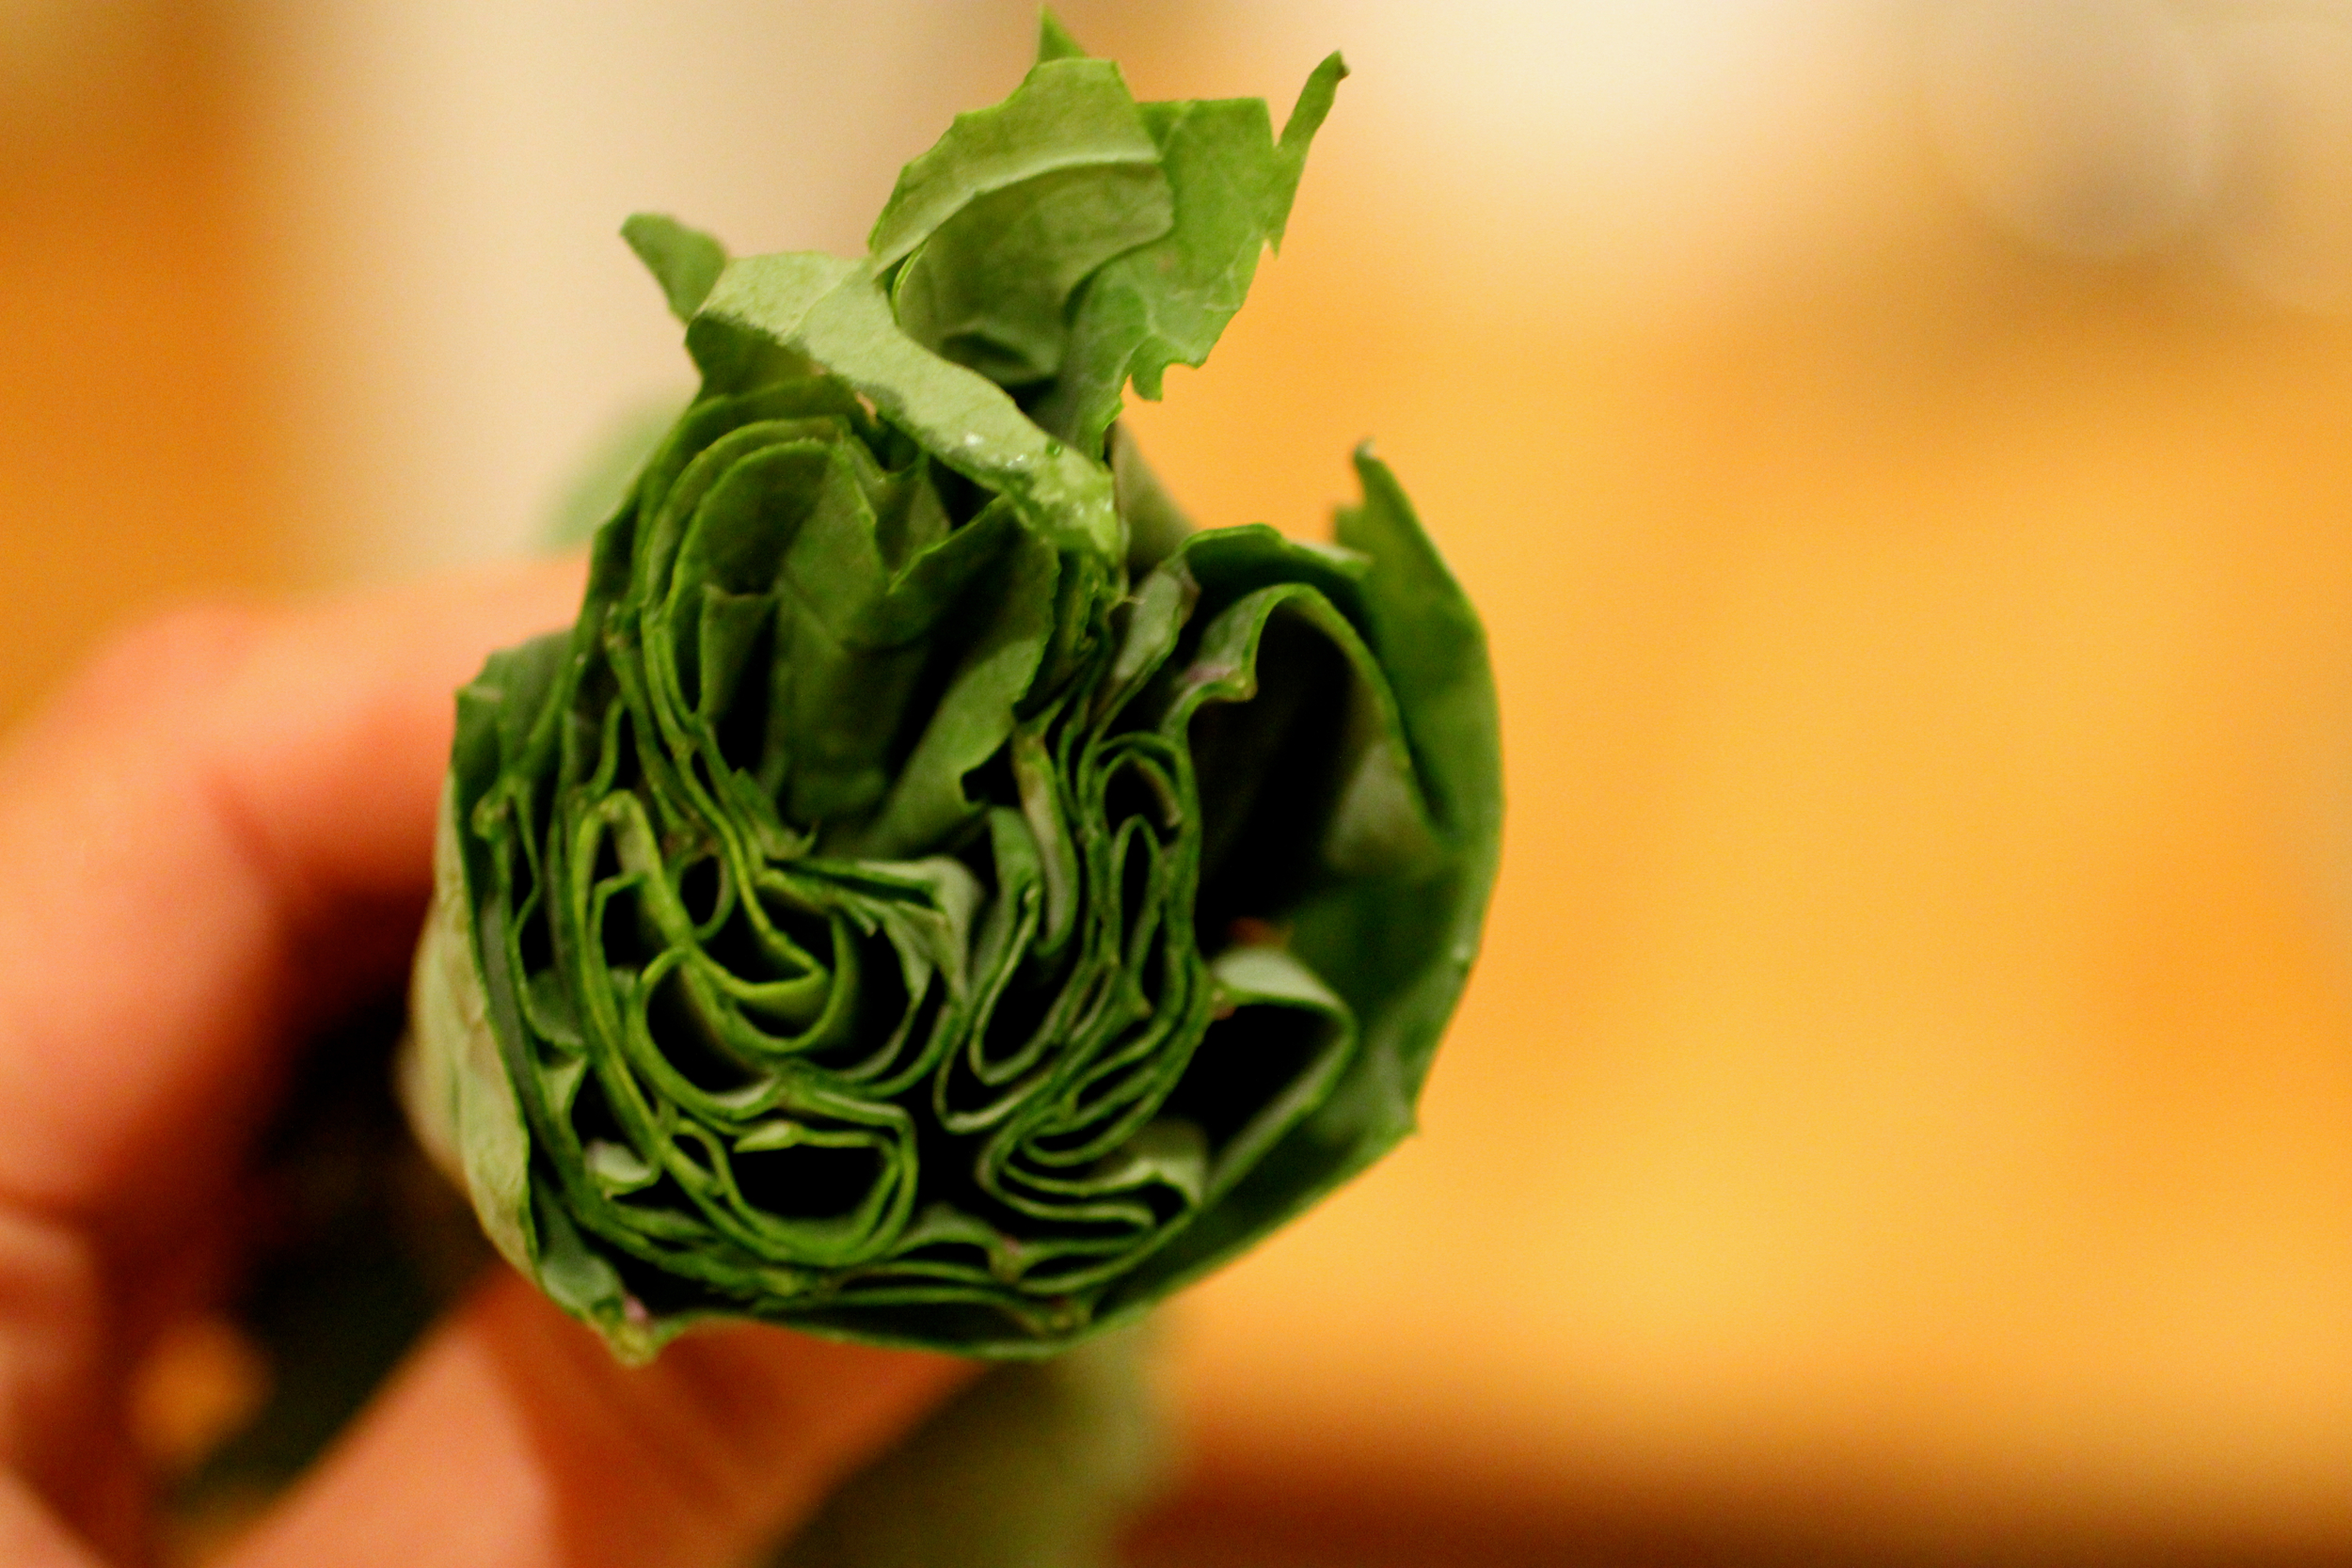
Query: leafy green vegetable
pixel 932 895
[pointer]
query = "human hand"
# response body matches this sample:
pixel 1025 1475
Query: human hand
pixel 217 839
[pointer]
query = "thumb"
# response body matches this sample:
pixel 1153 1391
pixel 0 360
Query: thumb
pixel 512 1439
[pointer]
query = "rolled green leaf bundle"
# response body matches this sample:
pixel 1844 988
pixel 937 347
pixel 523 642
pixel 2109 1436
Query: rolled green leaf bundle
pixel 932 895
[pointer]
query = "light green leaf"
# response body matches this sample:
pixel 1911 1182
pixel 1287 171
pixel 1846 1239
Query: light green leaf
pixel 991 287
pixel 1069 112
pixel 834 311
pixel 1166 303
pixel 685 262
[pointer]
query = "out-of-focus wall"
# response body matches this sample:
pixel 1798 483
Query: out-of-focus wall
pixel 135 462
pixel 446 181
pixel 1903 1105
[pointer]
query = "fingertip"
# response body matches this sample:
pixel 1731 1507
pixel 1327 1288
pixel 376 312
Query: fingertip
pixel 218 836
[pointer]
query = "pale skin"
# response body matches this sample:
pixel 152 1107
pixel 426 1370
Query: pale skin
pixel 216 837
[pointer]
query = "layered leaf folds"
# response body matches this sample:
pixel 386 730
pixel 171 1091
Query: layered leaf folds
pixel 930 897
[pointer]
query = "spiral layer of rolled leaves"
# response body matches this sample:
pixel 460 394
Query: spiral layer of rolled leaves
pixel 932 895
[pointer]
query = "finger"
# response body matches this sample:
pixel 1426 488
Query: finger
pixel 513 1440
pixel 61 1432
pixel 223 823
pixel 30 1536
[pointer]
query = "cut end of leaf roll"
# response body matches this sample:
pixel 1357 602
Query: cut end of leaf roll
pixel 934 895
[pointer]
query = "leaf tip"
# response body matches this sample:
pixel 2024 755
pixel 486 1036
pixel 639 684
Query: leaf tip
pixel 1315 102
pixel 1054 42
pixel 685 261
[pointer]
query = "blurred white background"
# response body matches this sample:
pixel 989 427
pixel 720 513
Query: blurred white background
pixel 441 179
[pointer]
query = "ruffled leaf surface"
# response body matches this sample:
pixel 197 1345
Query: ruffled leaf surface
pixel 931 896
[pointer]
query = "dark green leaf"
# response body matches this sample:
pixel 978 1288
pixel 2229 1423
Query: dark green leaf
pixel 933 895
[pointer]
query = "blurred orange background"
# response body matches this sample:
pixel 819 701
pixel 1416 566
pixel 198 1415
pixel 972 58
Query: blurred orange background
pixel 1904 1108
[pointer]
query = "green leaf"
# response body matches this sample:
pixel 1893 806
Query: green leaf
pixel 685 262
pixel 991 287
pixel 1069 112
pixel 1155 524
pixel 834 311
pixel 1166 303
pixel 1054 42
pixel 461 1098
pixel 934 895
